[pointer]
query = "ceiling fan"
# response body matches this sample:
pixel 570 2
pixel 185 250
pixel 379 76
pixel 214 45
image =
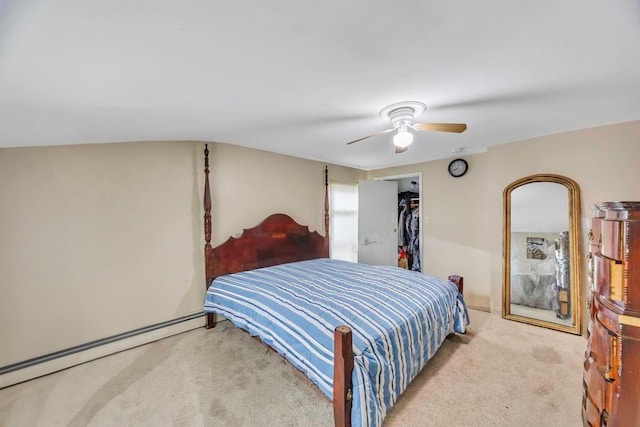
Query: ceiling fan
pixel 401 115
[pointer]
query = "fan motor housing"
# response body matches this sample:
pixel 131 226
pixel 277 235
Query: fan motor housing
pixel 402 112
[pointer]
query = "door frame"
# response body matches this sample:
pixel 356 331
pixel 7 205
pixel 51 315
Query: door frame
pixel 420 211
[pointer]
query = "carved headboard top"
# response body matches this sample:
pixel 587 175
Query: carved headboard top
pixel 276 240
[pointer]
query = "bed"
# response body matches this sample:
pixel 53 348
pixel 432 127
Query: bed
pixel 360 333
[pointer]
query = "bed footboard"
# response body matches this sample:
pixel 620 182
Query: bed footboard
pixel 343 368
pixel 458 281
pixel 342 380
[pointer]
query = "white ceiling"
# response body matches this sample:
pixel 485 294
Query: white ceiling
pixel 303 78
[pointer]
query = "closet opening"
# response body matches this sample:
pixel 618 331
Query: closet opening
pixel 409 207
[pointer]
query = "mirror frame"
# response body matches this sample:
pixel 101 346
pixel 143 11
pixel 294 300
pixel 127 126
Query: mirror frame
pixel 575 238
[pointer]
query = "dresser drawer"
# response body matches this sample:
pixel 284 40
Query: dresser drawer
pixel 612 239
pixel 590 413
pixel 632 266
pixel 594 235
pixel 612 364
pixel 595 390
pixel 598 399
pixel 602 353
pixel 608 279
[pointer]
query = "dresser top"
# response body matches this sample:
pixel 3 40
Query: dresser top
pixel 617 210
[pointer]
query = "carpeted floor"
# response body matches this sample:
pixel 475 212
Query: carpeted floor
pixel 502 373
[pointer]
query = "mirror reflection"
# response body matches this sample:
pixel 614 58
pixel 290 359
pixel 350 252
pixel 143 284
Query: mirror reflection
pixel 539 245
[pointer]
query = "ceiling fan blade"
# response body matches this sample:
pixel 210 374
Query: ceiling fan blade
pixel 401 149
pixel 374 134
pixel 442 127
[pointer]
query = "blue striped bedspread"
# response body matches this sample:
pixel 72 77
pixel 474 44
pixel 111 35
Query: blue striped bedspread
pixel 399 319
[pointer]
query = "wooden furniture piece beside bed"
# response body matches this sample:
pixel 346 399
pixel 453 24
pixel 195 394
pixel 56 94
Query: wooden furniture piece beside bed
pixel 278 240
pixel 612 359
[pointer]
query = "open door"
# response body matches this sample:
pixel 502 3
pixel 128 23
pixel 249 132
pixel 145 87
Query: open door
pixel 378 222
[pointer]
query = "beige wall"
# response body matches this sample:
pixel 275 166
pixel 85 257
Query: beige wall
pixel 87 233
pixel 248 185
pixel 455 238
pixel 603 161
pixel 465 230
pixel 101 239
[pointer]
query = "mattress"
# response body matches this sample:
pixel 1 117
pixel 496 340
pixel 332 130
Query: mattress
pixel 399 318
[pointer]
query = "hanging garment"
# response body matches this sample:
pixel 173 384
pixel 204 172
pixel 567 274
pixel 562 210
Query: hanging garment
pixel 401 228
pixel 414 239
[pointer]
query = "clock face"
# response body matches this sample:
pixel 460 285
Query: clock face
pixel 458 167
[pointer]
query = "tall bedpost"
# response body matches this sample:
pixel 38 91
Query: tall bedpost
pixel 208 250
pixel 326 211
pixel 342 376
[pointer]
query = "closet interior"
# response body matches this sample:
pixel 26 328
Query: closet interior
pixel 409 255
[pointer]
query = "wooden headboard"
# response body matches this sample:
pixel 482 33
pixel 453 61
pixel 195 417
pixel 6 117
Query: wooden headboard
pixel 277 240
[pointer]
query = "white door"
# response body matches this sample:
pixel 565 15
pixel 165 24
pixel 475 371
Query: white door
pixel 378 222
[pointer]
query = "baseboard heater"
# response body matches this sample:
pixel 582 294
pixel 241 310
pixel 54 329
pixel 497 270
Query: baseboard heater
pixel 98 343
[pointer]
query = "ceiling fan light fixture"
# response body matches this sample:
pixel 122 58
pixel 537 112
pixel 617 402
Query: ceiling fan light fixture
pixel 403 138
pixel 401 116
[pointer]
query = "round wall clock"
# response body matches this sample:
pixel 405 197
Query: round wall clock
pixel 458 167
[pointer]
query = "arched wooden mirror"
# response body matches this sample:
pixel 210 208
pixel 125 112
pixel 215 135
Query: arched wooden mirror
pixel 541 245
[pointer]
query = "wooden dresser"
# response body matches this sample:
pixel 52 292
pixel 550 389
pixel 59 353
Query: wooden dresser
pixel 612 358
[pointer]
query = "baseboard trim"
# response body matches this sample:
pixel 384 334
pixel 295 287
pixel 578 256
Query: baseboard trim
pixel 63 359
pixel 487 309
